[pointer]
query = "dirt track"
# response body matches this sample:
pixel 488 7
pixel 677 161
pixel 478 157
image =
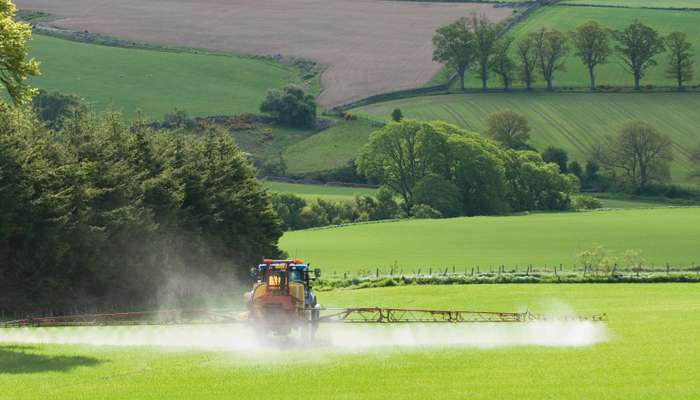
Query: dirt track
pixel 369 46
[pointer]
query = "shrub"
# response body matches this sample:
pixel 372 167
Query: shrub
pixel 424 211
pixel 290 106
pixel 587 203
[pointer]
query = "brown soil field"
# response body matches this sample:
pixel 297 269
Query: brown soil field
pixel 368 46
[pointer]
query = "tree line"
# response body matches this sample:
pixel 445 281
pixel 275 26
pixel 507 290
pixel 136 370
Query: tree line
pixel 97 213
pixel 479 45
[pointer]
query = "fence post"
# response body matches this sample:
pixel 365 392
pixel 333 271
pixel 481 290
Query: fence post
pixel 668 269
pixel 431 272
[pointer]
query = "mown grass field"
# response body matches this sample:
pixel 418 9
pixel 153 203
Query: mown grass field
pixel 156 82
pixel 573 121
pixel 313 192
pixel 662 234
pixel 651 353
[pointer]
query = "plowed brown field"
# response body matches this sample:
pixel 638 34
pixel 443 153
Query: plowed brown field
pixel 369 46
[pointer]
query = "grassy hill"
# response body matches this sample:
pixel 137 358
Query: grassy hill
pixel 567 18
pixel 156 82
pixel 573 121
pixel 648 326
pixel 663 235
pixel 330 148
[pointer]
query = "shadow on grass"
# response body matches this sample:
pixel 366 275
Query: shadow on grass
pixel 26 360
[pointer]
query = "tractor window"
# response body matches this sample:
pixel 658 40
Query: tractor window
pixel 295 276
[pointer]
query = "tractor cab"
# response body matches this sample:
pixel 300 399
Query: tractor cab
pixel 281 298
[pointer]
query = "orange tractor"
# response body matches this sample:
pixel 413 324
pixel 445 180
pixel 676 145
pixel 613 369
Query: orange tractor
pixel 282 300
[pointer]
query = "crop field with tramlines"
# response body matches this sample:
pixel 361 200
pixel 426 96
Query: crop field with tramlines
pixel 573 121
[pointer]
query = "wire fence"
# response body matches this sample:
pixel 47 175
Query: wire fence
pixel 379 277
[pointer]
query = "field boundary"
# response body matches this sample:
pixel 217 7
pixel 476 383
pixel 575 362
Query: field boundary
pixel 627 7
pixel 530 8
pixel 504 275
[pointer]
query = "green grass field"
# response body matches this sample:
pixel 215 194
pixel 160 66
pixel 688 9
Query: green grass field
pixel 156 82
pixel 567 18
pixel 662 234
pixel 573 121
pixel 329 149
pixel 638 3
pixel 651 353
pixel 313 192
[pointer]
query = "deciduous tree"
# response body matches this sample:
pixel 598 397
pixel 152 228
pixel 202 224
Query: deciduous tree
pixel 502 63
pixel 551 48
pixel 592 45
pixel 290 106
pixel 681 62
pixel 557 156
pixel 486 35
pixel 637 45
pixel 509 128
pixel 527 58
pixel 15 65
pixel 637 156
pixel 454 47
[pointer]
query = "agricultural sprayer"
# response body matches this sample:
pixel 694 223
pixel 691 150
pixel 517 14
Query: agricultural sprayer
pixel 282 301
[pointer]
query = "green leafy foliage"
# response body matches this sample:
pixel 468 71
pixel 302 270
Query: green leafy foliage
pixel 488 178
pixel 681 63
pixel 290 106
pixel 99 214
pixel 55 107
pixel 637 157
pixel 298 213
pixel 510 129
pixel 15 66
pixel 637 45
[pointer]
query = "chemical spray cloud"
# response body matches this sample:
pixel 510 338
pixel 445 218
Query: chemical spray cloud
pixel 343 338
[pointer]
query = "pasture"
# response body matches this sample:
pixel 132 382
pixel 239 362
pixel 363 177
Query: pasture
pixel 156 82
pixel 369 46
pixel 661 234
pixel 567 18
pixel 573 121
pixel 650 353
pixel 313 192
pixel 331 148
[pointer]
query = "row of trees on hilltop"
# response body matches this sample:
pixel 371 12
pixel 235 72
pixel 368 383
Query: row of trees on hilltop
pixel 477 44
